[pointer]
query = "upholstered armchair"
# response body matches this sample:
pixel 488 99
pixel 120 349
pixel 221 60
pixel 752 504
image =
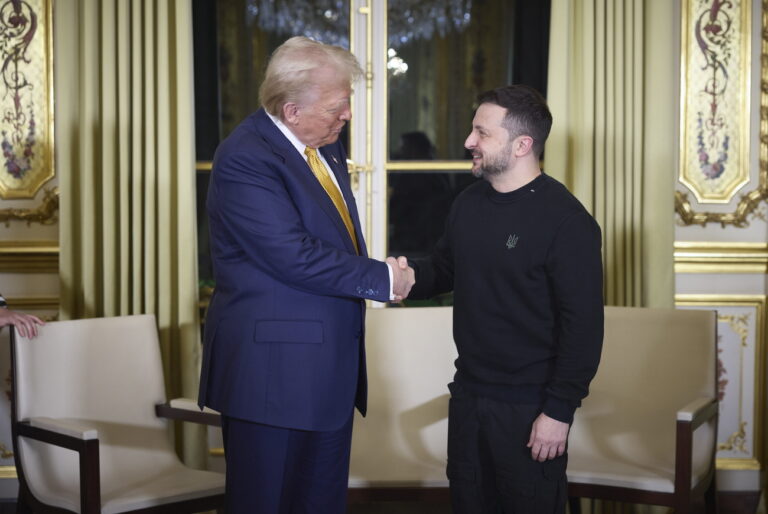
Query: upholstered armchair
pixel 648 429
pixel 86 432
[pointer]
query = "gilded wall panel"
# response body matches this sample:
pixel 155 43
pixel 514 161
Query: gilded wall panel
pixel 715 91
pixel 740 375
pixel 26 101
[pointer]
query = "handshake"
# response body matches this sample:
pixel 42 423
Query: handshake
pixel 403 277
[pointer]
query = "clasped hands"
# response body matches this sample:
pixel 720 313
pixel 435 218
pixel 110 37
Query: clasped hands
pixel 403 277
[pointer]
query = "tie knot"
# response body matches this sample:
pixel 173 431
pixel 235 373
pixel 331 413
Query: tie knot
pixel 310 152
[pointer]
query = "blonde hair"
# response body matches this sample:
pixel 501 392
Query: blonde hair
pixel 288 75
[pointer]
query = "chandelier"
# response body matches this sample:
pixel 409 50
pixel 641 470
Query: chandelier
pixel 328 20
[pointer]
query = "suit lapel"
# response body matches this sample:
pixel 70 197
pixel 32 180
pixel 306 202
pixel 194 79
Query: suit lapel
pixel 296 163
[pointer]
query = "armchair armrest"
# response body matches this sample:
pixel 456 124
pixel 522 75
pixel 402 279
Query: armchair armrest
pixel 698 411
pixel 73 436
pixel 185 409
pixel 66 427
pixel 689 418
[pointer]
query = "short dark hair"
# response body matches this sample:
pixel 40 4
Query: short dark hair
pixel 527 112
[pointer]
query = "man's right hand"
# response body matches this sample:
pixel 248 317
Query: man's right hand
pixel 26 324
pixel 403 277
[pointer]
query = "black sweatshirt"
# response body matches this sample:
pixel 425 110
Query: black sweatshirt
pixel 526 272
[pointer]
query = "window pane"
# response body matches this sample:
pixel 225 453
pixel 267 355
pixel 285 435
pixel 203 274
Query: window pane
pixel 248 33
pixel 443 53
pixel 419 202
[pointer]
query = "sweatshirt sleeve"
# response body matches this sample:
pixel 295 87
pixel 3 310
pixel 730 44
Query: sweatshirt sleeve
pixel 434 274
pixel 574 264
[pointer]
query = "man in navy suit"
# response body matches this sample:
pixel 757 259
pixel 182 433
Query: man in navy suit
pixel 284 355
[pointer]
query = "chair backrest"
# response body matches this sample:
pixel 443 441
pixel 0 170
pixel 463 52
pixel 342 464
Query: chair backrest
pixel 403 439
pixel 103 374
pixel 654 362
pixel 103 369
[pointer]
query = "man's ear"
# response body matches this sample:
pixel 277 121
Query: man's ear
pixel 522 145
pixel 290 113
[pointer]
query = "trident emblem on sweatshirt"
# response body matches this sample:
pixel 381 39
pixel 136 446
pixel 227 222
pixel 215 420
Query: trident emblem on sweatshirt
pixel 512 242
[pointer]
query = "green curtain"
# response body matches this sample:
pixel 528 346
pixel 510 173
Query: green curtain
pixel 125 155
pixel 612 86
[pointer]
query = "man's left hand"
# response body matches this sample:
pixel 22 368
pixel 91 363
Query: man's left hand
pixel 548 438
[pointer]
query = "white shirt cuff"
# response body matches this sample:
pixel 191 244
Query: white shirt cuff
pixel 391 284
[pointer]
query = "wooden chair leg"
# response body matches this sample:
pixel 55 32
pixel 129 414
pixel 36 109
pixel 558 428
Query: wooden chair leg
pixel 22 503
pixel 710 498
pixel 574 504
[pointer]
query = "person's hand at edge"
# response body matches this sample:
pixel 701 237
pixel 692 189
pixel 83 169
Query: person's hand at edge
pixel 26 324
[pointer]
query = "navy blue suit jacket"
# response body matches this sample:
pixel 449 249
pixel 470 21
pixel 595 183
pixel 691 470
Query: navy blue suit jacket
pixel 284 342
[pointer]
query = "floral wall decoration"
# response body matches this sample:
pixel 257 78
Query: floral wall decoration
pixel 26 92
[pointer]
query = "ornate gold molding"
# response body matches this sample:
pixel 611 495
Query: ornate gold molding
pixel 29 257
pixel 8 472
pixel 738 464
pixel 709 257
pixel 747 202
pixel 757 360
pixel 36 303
pixel 737 440
pixel 44 214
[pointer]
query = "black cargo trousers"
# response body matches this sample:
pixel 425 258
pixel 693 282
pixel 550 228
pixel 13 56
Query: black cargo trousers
pixel 490 468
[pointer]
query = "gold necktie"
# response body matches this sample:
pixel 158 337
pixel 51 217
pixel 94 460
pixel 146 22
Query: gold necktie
pixel 318 168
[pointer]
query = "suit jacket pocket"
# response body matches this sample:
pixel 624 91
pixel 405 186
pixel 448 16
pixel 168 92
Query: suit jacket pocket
pixel 288 331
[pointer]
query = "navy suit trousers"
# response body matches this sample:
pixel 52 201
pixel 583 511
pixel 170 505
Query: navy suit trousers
pixel 276 470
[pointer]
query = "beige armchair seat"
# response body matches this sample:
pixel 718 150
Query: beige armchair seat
pixel 87 436
pixel 647 431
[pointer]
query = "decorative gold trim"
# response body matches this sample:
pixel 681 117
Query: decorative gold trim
pixel 354 172
pixel 736 440
pixel 747 202
pixel 203 165
pixel 710 257
pixel 429 166
pixel 36 303
pixel 742 100
pixel 367 11
pixel 738 464
pixel 44 214
pixel 216 452
pixel 8 472
pixel 759 303
pixel 48 162
pixel 29 257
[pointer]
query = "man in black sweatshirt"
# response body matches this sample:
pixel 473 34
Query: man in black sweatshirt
pixel 522 256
